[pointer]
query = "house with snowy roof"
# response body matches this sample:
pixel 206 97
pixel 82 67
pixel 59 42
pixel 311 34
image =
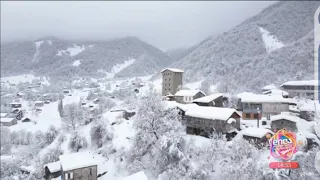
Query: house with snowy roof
pixel 203 121
pixel 259 136
pixel 80 165
pixel 285 120
pixel 213 100
pixel 187 95
pixel 171 80
pixel 52 170
pixel 255 106
pixel 8 121
pixel 304 88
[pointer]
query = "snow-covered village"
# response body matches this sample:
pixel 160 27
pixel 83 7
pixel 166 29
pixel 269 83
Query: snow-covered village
pixel 124 110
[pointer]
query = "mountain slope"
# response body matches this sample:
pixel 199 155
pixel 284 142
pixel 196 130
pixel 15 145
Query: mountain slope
pixel 241 59
pixel 55 57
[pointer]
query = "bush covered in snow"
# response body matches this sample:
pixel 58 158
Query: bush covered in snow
pixel 77 142
pixel 74 116
pixel 100 134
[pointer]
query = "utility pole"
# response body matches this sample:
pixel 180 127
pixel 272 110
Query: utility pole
pixel 258 110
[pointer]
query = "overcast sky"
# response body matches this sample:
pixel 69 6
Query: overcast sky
pixel 165 25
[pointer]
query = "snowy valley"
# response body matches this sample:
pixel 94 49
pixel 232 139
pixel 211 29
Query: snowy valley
pixel 226 108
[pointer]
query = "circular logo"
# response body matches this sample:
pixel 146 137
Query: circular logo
pixel 283 145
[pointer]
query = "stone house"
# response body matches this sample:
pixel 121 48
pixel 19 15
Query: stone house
pixel 213 100
pixel 284 120
pixel 258 136
pixel 305 88
pixel 78 166
pixel 187 96
pixel 204 121
pixel 171 80
pixel 256 106
pixel 8 121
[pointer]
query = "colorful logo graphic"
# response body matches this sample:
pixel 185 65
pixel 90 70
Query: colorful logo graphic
pixel 283 145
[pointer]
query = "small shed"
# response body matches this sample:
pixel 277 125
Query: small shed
pixel 284 120
pixel 8 121
pixel 25 119
pixel 52 170
pixel 39 104
pixel 259 136
pixel 170 97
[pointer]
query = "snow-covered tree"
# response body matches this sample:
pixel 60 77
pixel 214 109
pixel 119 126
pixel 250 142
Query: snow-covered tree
pixel 106 103
pixel 205 87
pixel 52 155
pixel 50 135
pixel 159 135
pixel 74 116
pixel 5 143
pixel 91 95
pixel 77 142
pixel 100 133
pixel 307 166
pixel 241 162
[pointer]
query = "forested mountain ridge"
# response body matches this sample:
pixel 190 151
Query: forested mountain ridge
pixel 271 47
pixel 59 58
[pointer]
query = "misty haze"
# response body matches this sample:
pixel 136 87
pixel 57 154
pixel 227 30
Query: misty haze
pixel 173 90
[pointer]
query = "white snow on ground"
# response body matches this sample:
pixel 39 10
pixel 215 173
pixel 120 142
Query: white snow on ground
pixel 23 78
pixel 119 67
pixel 72 51
pixel 199 141
pixel 271 42
pixel 76 63
pixel 36 54
pixel 91 46
pixel 122 135
pixel 137 176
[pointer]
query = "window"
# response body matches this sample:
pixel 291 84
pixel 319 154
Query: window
pixel 90 171
pixel 310 94
pixel 169 89
pixel 255 116
pixel 165 84
pixel 169 84
pixel 165 79
pixel 165 89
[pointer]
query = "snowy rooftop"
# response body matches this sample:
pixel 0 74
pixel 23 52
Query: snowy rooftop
pixel 260 98
pixel 207 99
pixel 310 106
pixel 53 167
pixel 15 103
pixel 214 113
pixel 27 168
pixel 286 116
pixel 256 132
pixel 277 92
pixel 240 95
pixel 38 102
pixel 137 176
pixel 3 114
pixel 301 83
pixel 6 119
pixel 77 160
pixel 173 70
pixel 269 87
pixel 187 92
